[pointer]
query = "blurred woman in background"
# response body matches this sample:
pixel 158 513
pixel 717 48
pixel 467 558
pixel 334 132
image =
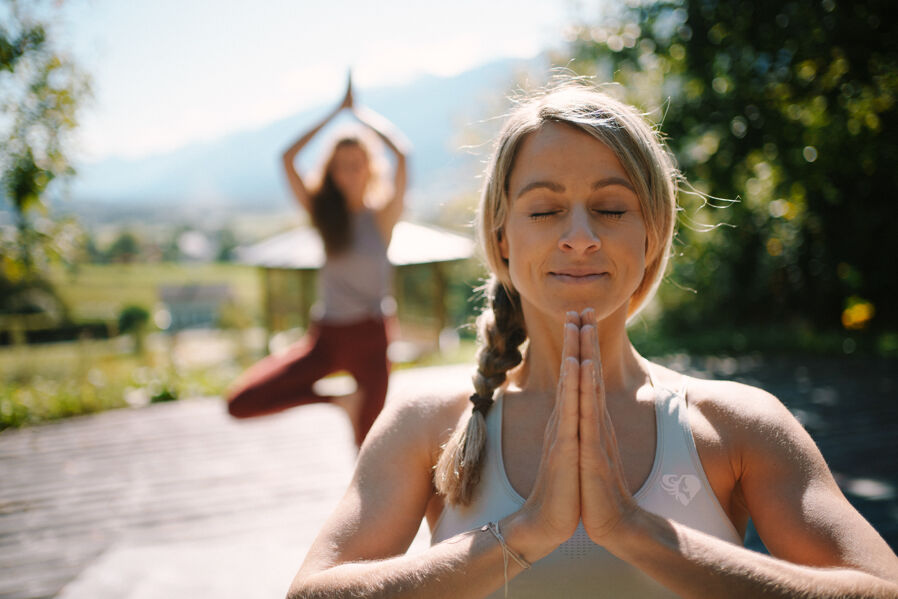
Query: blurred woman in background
pixel 349 329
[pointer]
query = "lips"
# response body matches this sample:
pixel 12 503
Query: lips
pixel 578 274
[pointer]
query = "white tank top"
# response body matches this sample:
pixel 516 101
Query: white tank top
pixel 353 284
pixel 676 488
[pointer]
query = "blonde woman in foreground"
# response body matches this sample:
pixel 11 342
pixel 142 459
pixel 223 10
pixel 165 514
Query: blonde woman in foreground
pixel 581 469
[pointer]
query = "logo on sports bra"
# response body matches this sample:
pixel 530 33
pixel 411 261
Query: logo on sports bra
pixel 683 487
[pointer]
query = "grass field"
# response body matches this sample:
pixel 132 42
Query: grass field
pixel 48 381
pixel 100 291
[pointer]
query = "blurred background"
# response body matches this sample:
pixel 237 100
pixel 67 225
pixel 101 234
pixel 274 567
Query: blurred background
pixel 141 150
pixel 140 165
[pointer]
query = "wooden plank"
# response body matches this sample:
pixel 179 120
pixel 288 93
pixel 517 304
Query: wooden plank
pixel 105 486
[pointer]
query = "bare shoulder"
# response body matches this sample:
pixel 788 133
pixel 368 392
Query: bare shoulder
pixel 392 486
pixel 766 466
pixel 727 404
pixel 735 403
pixel 741 420
pixel 419 419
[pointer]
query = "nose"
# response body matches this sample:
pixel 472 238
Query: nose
pixel 579 236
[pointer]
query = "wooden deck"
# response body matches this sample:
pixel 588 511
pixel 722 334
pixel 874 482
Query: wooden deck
pixel 173 500
pixel 178 500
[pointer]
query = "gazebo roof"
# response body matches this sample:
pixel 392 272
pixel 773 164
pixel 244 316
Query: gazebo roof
pixel 412 243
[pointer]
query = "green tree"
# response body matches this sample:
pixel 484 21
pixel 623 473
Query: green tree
pixel 40 92
pixel 125 248
pixel 134 319
pixel 227 243
pixel 789 108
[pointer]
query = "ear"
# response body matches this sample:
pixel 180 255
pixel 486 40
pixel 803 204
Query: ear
pixel 503 243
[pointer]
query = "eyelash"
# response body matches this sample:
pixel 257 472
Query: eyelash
pixel 613 214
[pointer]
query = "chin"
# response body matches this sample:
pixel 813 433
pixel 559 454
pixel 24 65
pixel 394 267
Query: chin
pixel 560 309
pixel 602 309
pixel 578 306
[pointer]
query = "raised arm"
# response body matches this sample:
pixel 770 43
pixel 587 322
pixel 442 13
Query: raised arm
pixel 389 213
pixel 360 550
pixel 289 157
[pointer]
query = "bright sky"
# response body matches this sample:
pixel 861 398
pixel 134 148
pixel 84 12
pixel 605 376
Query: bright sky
pixel 171 72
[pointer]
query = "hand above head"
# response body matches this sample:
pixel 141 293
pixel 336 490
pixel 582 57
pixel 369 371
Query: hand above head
pixel 348 99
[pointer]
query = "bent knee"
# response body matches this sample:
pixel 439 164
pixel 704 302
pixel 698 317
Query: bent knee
pixel 239 406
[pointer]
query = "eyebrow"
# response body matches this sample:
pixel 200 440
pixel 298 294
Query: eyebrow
pixel 559 188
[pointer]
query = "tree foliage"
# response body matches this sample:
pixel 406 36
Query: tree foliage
pixel 789 108
pixel 40 92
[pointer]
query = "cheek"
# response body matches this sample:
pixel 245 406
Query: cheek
pixel 512 243
pixel 637 246
pixel 524 251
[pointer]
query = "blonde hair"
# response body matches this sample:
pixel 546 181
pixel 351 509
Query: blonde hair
pixel 653 173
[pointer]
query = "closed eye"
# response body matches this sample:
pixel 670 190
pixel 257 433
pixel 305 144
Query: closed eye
pixel 612 214
pixel 542 215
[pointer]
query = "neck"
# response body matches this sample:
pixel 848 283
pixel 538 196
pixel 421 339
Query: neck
pixel 355 206
pixel 622 366
pixel 356 202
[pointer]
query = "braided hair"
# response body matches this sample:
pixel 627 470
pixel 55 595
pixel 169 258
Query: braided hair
pixel 501 332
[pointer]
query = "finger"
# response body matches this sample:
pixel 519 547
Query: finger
pixel 589 350
pixel 588 422
pixel 588 343
pixel 567 399
pixel 568 380
pixel 563 421
pixel 574 319
pixel 588 316
pixel 569 348
pixel 589 346
pixel 570 342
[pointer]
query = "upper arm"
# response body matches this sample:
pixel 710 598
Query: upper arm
pixel 385 503
pixel 388 215
pixel 798 509
pixel 295 181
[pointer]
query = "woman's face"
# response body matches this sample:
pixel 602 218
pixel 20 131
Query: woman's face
pixel 574 235
pixel 351 171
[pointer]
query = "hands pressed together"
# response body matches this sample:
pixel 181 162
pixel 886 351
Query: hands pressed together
pixel 348 100
pixel 581 476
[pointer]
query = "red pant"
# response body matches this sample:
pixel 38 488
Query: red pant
pixel 283 381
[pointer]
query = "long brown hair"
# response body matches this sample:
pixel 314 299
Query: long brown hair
pixel 330 210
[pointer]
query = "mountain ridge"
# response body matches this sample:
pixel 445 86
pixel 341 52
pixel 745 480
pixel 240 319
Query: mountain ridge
pixel 242 169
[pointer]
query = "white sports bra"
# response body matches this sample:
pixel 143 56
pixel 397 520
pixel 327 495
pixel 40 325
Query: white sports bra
pixel 676 488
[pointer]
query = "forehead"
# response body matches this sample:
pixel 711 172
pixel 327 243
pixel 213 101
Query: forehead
pixel 562 153
pixel 347 152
